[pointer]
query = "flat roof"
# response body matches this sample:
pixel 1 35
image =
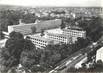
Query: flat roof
pixel 61 35
pixel 38 36
pixel 55 31
pixel 74 28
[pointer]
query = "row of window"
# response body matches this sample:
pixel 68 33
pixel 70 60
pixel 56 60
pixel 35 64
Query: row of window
pixel 38 40
pixel 38 43
pixel 61 39
pixel 75 34
pixel 56 36
pixel 72 31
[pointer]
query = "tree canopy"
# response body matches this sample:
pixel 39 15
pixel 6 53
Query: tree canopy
pixel 14 47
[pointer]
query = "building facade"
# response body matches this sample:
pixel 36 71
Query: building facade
pixel 59 37
pixel 75 33
pixel 41 41
pixel 26 28
pixel 99 55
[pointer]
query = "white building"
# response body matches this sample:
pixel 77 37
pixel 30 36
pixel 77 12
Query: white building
pixel 57 35
pixel 41 41
pixel 75 32
pixel 99 55
pixel 26 28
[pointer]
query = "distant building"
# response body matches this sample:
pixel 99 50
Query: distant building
pixel 41 41
pixel 99 55
pixel 75 32
pixel 67 35
pixel 57 35
pixel 60 37
pixel 52 36
pixel 26 28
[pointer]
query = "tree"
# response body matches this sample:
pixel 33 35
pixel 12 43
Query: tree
pixel 19 50
pixel 93 27
pixel 62 25
pixel 9 17
pixel 29 55
pixel 50 56
pixel 33 29
pixel 12 51
pixel 37 68
pixel 16 35
pixel 42 32
pixel 29 18
pixel 82 43
pixel 28 59
pixel 64 50
pixel 1 35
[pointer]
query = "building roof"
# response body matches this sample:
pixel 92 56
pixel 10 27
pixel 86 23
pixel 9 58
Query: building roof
pixel 74 28
pixel 60 35
pixel 43 38
pixel 55 31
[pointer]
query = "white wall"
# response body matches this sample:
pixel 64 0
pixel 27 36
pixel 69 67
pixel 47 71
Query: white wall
pixel 10 29
pixel 99 55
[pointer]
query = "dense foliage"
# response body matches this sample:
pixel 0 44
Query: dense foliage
pixel 93 27
pixel 14 46
pixel 12 17
pixel 96 67
pixel 22 51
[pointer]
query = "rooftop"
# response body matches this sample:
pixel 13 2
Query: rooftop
pixel 43 38
pixel 75 28
pixel 60 35
pixel 55 31
pixel 38 36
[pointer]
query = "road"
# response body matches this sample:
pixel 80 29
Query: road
pixel 73 63
pixel 72 60
pixel 69 62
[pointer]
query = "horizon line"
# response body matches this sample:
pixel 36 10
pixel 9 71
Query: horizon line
pixel 48 6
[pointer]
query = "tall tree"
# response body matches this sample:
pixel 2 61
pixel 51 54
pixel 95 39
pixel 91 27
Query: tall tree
pixel 33 29
pixel 1 35
pixel 12 51
pixel 63 25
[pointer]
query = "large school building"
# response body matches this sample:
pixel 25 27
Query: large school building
pixel 26 29
pixel 41 41
pixel 75 32
pixel 53 34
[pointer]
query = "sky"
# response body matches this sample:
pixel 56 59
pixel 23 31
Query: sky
pixel 35 3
